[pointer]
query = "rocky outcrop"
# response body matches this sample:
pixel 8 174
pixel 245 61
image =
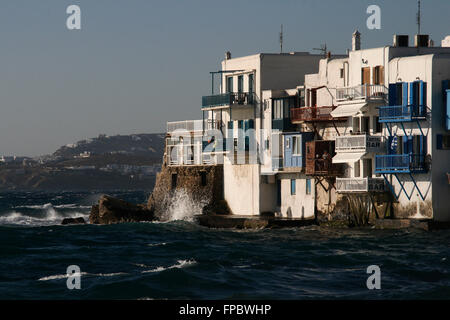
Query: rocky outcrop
pixel 79 220
pixel 111 210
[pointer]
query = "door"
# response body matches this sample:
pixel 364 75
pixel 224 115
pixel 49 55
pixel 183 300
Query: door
pixel 288 151
pixel 365 80
pixel 278 193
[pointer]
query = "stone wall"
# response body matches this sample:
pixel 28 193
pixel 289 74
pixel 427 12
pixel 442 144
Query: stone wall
pixel 203 185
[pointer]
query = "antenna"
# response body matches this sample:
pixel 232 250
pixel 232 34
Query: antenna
pixel 281 39
pixel 323 48
pixel 418 17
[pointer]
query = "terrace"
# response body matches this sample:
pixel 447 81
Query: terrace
pixel 228 99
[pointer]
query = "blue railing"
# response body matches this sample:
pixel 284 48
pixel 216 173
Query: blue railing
pixel 402 113
pixel 395 163
pixel 242 98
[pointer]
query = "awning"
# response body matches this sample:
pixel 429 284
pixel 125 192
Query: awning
pixel 345 157
pixel 347 110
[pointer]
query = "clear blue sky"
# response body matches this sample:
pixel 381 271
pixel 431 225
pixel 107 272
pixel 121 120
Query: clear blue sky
pixel 139 63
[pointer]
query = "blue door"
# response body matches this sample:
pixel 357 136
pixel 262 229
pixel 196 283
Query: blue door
pixel 288 151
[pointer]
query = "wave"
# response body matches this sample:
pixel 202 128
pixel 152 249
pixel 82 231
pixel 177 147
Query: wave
pixel 64 276
pixel 180 264
pixel 49 217
pixel 181 206
pixel 49 205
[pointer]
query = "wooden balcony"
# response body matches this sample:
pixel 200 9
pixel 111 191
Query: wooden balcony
pixel 319 159
pixel 312 114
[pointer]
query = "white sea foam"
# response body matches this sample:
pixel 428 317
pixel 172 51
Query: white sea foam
pixel 181 206
pixel 180 264
pixel 64 276
pixel 157 244
pixel 50 217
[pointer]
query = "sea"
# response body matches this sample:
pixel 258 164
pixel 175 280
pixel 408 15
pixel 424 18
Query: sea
pixel 179 259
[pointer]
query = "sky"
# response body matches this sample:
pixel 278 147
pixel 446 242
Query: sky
pixel 136 64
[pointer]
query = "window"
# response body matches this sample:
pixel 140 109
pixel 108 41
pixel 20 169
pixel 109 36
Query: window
pixel 250 83
pixel 308 186
pixel 174 180
pixel 203 180
pixel 277 109
pixel 342 73
pixel 288 143
pixel 443 142
pixel 240 84
pixel 357 169
pixel 296 144
pixel 378 75
pixel 229 84
pixel 293 187
pixel 377 124
pixel 301 97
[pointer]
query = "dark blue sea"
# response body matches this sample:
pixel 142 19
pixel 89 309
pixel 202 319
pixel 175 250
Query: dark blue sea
pixel 181 260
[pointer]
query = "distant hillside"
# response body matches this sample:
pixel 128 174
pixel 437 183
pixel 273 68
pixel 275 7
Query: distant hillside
pixel 148 145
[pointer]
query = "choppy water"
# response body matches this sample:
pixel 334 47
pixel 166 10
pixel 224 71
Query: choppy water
pixel 180 259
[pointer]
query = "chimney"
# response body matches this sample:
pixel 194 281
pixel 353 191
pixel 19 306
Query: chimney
pixel 421 40
pixel 227 55
pixel 401 40
pixel 356 41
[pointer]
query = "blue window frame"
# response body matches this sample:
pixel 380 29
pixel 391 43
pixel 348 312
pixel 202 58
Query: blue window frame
pixel 293 181
pixel 308 186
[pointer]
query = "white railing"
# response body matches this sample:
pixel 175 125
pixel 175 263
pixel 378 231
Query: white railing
pixel 188 125
pixel 364 143
pixel 364 91
pixel 360 185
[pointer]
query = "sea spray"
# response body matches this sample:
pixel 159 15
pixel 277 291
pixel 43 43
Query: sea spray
pixel 181 206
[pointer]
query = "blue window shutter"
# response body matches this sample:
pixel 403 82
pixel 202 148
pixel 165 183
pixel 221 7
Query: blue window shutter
pixel 448 110
pixel 405 94
pixel 412 93
pixel 251 124
pixel 392 94
pixel 230 124
pixel 423 97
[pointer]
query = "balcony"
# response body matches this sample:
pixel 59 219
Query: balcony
pixel 358 143
pixel 351 185
pixel 282 124
pixel 402 113
pixel 319 159
pixel 312 114
pixel 186 125
pixel 228 99
pixel 366 92
pixel 400 163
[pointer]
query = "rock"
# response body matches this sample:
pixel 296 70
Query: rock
pixel 79 220
pixel 111 210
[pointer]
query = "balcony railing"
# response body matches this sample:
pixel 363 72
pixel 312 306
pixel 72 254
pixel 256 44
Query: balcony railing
pixel 312 113
pixel 402 113
pixel 398 163
pixel 362 92
pixel 230 98
pixel 344 185
pixel 321 167
pixel 188 125
pixel 363 143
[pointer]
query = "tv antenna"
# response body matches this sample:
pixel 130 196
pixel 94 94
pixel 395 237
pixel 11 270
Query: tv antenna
pixel 418 17
pixel 281 39
pixel 323 49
